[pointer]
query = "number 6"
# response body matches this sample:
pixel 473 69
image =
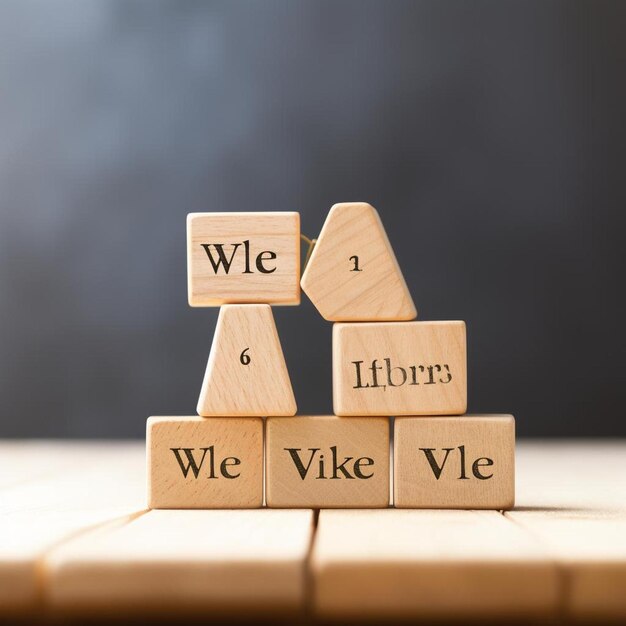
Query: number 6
pixel 244 358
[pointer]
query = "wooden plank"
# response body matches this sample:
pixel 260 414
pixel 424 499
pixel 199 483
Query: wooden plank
pixel 215 561
pixel 106 483
pixel 429 564
pixel 572 498
pixel 25 460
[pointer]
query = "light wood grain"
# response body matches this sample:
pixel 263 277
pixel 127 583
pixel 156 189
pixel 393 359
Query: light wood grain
pixel 465 462
pixel 102 483
pixel 372 290
pixel 22 461
pixel 572 498
pixel 429 564
pixel 205 463
pixel 400 368
pixel 185 561
pixel 266 269
pixel 246 374
pixel 303 454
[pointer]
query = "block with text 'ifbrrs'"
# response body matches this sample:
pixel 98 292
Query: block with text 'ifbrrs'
pixel 243 258
pixel 465 462
pixel 400 368
pixel 198 463
pixel 325 461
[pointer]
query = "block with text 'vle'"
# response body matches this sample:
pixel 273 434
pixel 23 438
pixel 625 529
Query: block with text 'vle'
pixel 325 461
pixel 465 462
pixel 243 258
pixel 400 368
pixel 198 463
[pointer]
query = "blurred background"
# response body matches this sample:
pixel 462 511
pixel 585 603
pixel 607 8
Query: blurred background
pixel 490 136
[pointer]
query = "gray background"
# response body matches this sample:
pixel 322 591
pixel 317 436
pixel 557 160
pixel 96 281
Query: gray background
pixel 490 136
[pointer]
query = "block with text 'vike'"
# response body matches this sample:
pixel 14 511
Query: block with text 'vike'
pixel 246 374
pixel 353 274
pixel 465 462
pixel 400 368
pixel 243 258
pixel 325 461
pixel 198 463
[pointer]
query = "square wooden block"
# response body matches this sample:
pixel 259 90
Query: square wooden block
pixel 463 462
pixel 205 463
pixel 243 258
pixel 325 461
pixel 400 368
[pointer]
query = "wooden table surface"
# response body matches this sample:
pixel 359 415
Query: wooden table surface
pixel 76 539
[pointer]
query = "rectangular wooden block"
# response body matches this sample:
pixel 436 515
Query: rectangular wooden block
pixel 393 564
pixel 181 562
pixel 205 463
pixel 465 462
pixel 243 258
pixel 324 461
pixel 399 368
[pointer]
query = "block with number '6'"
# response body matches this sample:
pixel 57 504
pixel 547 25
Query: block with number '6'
pixel 400 368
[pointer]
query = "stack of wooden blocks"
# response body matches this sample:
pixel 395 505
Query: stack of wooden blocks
pixel 247 445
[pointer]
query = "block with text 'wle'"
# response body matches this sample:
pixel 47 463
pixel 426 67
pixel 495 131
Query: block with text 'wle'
pixel 400 368
pixel 325 461
pixel 465 462
pixel 198 463
pixel 243 258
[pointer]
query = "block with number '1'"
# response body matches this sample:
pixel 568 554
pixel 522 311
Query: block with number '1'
pixel 353 275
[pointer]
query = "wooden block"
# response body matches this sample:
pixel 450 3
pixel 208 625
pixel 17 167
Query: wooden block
pixel 243 257
pixel 204 562
pixel 465 462
pixel 200 463
pixel 395 368
pixel 353 274
pixel 324 461
pixel 429 564
pixel 246 374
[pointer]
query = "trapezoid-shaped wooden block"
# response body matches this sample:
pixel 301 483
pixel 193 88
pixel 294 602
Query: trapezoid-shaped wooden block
pixel 353 275
pixel 246 374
